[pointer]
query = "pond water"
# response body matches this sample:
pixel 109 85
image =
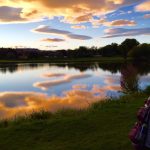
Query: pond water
pixel 25 88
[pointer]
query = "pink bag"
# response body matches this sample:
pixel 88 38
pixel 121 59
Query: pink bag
pixel 135 132
pixel 143 114
pixel 138 134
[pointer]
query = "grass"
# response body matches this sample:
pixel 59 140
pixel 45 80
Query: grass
pixel 103 126
pixel 71 60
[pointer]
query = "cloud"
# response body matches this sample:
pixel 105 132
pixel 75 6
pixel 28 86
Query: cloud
pixel 50 46
pixel 66 79
pixel 14 15
pixel 79 86
pixel 80 19
pixel 117 32
pixel 147 16
pixel 50 75
pixel 121 22
pixel 97 22
pixel 145 6
pixel 112 79
pixel 14 104
pixel 145 79
pixel 48 30
pixel 79 37
pixel 71 10
pixel 104 89
pixel 9 14
pixel 13 99
pixel 78 27
pixel 50 40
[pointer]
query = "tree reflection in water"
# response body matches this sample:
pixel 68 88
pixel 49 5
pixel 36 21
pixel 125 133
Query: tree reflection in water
pixel 129 79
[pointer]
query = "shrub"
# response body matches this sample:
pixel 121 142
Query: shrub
pixel 140 52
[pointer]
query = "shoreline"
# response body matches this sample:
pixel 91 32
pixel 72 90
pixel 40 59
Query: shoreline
pixel 70 60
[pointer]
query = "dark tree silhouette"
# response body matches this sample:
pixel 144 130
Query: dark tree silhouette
pixel 140 52
pixel 109 50
pixel 128 45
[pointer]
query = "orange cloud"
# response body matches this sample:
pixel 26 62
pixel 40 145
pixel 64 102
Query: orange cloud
pixel 71 10
pixel 79 86
pixel 78 27
pixel 121 22
pixel 79 97
pixel 147 16
pixel 14 104
pixel 50 40
pixel 145 6
pixel 20 103
pixel 49 75
pixel 97 22
pixel 103 90
pixel 111 80
pixel 78 19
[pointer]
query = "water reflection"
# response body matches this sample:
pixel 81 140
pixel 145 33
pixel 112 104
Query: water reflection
pixel 14 67
pixel 129 79
pixel 20 103
pixel 27 87
pixel 44 85
pixel 142 68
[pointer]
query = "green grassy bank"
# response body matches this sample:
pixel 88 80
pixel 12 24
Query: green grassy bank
pixel 98 59
pixel 103 126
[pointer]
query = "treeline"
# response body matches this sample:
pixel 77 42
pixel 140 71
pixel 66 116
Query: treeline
pixel 128 48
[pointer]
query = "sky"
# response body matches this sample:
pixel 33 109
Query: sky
pixel 68 24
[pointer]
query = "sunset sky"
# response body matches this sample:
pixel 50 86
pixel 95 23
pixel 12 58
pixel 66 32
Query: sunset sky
pixel 63 24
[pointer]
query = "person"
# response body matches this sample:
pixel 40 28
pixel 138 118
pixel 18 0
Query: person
pixel 147 141
pixel 140 133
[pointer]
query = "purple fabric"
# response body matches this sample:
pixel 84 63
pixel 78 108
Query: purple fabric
pixel 142 114
pixel 147 143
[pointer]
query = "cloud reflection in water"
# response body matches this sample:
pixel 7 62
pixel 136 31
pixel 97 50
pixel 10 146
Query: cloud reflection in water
pixel 18 103
pixel 78 97
pixel 45 85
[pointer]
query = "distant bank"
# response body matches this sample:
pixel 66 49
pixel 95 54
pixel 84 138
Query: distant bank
pixel 71 60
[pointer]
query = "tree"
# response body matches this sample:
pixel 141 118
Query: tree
pixel 127 45
pixel 109 50
pixel 83 52
pixel 140 52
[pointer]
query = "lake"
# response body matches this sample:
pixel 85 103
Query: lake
pixel 26 87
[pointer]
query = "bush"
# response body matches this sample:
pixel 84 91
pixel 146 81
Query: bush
pixel 140 52
pixel 127 45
